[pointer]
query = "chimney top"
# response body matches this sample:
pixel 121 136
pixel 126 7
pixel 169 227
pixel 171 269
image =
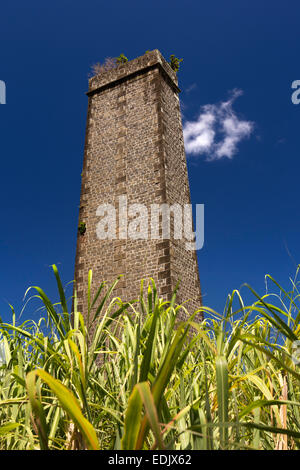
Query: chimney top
pixel 140 65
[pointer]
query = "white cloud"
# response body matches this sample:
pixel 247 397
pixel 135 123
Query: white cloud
pixel 190 88
pixel 217 131
pixel 199 135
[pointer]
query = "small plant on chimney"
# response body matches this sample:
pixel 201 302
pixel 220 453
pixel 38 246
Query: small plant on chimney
pixel 82 228
pixel 175 63
pixel 109 64
pixel 122 59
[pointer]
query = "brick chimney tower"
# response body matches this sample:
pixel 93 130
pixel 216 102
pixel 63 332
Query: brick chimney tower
pixel 134 153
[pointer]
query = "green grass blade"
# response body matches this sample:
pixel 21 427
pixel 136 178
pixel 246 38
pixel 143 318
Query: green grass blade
pixel 132 421
pixel 222 394
pixel 151 412
pixel 70 404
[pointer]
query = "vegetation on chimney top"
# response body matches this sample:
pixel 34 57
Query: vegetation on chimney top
pixel 122 59
pixel 175 62
pixel 110 63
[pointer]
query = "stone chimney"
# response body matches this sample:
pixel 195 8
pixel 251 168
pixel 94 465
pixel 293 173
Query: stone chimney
pixel 134 154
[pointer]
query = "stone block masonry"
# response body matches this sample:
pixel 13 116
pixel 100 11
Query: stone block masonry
pixel 134 147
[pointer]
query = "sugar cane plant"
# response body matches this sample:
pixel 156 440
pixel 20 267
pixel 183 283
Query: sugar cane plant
pixel 135 375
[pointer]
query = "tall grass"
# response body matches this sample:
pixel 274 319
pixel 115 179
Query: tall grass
pixel 143 379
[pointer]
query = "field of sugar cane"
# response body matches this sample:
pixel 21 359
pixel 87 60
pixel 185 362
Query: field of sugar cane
pixel 143 379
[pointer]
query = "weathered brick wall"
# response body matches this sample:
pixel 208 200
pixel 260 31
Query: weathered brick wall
pixel 134 147
pixel 184 264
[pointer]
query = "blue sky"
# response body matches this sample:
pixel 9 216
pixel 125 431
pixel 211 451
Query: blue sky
pixel 242 52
